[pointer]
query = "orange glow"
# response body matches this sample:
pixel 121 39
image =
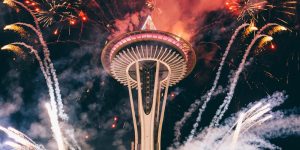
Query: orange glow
pixel 72 22
pixel 55 32
pixel 273 47
pixel 172 95
pixel 113 125
pixel 81 13
pixel 37 9
pixel 27 2
pixel 83 16
pixel 180 19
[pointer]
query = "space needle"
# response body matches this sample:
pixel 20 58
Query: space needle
pixel 148 62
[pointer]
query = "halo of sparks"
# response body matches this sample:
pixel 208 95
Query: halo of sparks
pixel 255 9
pixel 219 134
pixel 242 8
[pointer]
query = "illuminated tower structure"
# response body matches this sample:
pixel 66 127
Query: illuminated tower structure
pixel 148 62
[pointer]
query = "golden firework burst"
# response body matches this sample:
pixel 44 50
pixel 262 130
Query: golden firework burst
pixel 13 48
pixel 16 28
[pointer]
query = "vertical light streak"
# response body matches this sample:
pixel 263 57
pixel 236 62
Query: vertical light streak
pixel 237 131
pixel 55 127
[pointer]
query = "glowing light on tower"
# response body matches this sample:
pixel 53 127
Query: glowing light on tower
pixel 148 62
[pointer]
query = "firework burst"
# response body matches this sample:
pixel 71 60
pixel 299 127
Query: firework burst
pixel 276 29
pixel 16 49
pixel 232 134
pixel 283 10
pixel 244 8
pixel 251 28
pixel 256 10
pixel 246 128
pixel 16 28
pixel 264 41
pixel 9 3
pixel 55 109
pixel 64 12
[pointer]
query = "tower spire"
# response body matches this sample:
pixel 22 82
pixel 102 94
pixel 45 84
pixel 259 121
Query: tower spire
pixel 148 24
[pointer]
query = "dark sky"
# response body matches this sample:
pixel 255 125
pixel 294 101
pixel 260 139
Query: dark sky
pixel 92 98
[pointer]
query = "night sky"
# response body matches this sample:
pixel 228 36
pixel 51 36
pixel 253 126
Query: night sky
pixel 92 98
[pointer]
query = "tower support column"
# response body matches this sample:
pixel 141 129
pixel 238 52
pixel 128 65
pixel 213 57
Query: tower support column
pixel 148 127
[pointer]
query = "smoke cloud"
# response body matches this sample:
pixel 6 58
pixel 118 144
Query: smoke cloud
pixel 180 17
pixel 255 137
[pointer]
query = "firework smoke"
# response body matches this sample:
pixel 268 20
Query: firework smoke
pixel 21 141
pixel 251 127
pixel 206 98
pixel 250 123
pixel 265 38
pixel 222 109
pixel 49 73
pixel 47 61
pixel 183 16
pixel 55 127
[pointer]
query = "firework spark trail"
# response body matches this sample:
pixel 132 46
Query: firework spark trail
pixel 193 107
pixel 250 130
pixel 49 66
pixel 288 125
pixel 14 145
pixel 18 29
pixel 179 124
pixel 48 74
pixel 47 78
pixel 237 131
pixel 222 109
pixel 256 115
pixel 266 26
pixel 21 140
pixel 71 135
pixel 47 61
pixel 16 49
pixel 55 127
pixel 21 134
pixel 276 29
pixel 268 117
pixel 49 85
pixel 207 97
pixel 255 108
pixel 249 119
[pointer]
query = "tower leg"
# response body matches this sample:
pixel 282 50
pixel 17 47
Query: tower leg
pixel 148 130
